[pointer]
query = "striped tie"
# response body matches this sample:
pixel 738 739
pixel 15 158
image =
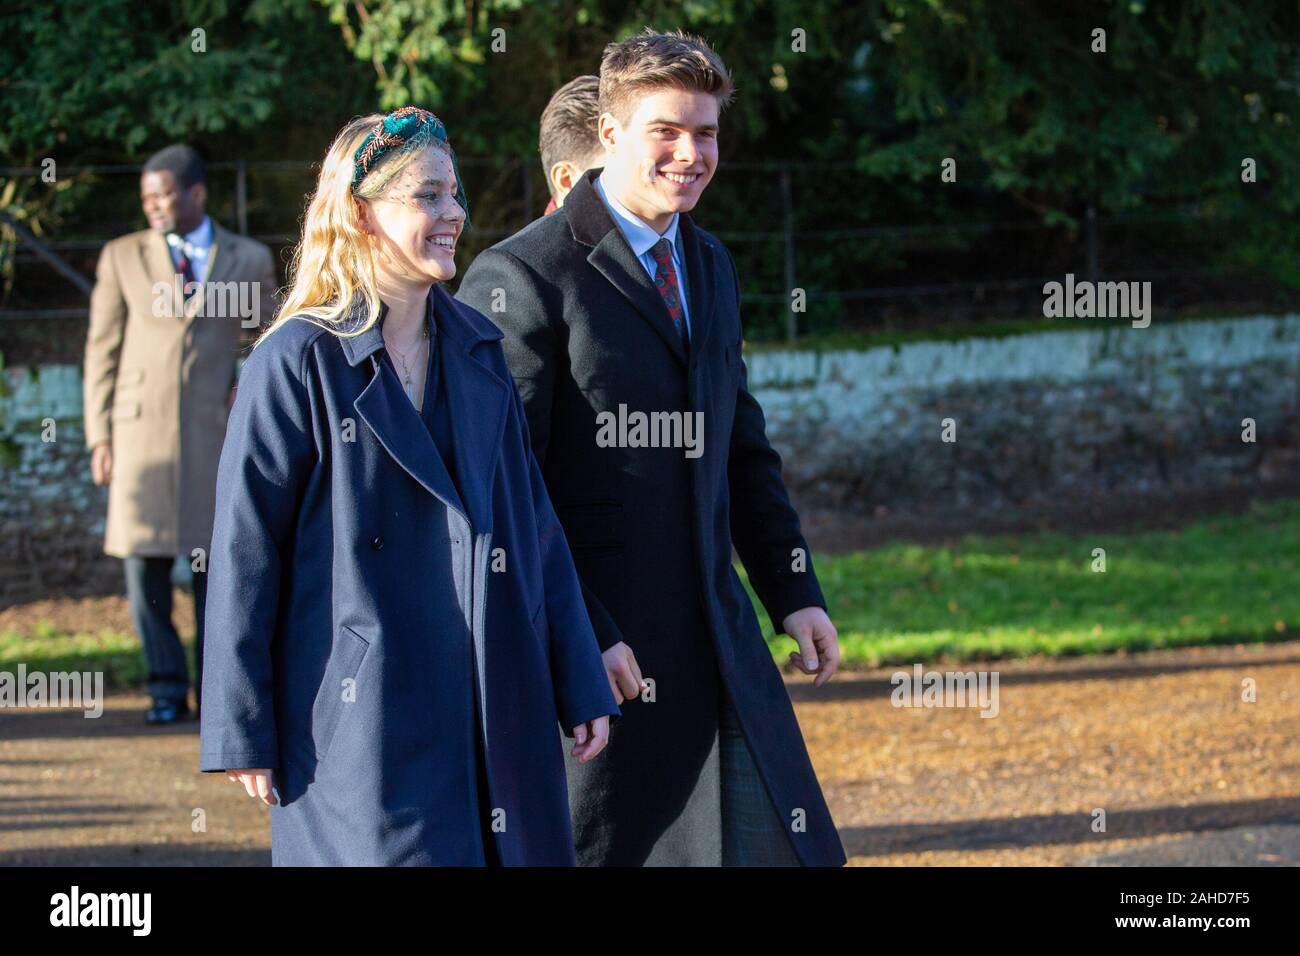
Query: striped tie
pixel 184 269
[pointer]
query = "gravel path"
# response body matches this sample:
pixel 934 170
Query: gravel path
pixel 1161 741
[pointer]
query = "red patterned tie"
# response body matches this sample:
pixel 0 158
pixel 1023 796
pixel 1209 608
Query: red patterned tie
pixel 666 283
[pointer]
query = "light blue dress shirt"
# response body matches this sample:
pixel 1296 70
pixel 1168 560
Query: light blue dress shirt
pixel 642 238
pixel 197 246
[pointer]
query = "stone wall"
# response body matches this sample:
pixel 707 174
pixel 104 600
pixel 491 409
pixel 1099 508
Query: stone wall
pixel 1046 415
pixel 1050 414
pixel 51 514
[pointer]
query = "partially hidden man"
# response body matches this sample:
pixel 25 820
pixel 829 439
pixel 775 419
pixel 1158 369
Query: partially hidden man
pixel 619 305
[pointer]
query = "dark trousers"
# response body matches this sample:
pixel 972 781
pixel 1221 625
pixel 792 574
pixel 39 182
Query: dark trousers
pixel 149 591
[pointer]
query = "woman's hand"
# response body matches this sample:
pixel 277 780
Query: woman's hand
pixel 590 738
pixel 258 783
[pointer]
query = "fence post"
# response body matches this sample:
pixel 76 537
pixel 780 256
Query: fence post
pixel 1091 226
pixel 241 197
pixel 787 227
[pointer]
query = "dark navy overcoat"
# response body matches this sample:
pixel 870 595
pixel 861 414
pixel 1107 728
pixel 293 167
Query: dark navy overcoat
pixel 358 610
pixel 652 528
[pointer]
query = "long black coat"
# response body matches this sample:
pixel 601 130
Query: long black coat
pixel 360 610
pixel 652 529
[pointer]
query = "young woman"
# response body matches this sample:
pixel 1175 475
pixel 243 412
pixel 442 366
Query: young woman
pixel 394 620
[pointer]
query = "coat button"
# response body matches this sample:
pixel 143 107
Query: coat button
pixel 377 544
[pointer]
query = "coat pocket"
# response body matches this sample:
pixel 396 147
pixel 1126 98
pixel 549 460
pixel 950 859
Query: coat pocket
pixel 124 411
pixel 128 377
pixel 593 525
pixel 338 688
pixel 733 356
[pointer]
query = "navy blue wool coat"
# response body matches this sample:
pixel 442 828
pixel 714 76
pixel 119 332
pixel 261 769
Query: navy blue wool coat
pixel 358 610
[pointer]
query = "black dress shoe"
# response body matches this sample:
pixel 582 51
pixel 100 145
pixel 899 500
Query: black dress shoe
pixel 167 712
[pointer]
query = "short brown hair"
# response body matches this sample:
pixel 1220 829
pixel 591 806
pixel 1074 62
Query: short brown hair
pixel 653 60
pixel 568 127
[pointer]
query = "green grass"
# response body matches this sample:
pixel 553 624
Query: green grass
pixel 1229 579
pixel 115 653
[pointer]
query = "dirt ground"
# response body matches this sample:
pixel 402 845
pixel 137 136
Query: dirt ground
pixel 1162 742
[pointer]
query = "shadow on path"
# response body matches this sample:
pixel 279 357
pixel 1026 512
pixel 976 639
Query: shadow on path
pixel 1063 828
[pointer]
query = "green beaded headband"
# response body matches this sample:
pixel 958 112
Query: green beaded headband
pixel 400 131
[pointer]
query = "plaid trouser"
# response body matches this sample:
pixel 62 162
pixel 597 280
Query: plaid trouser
pixel 753 832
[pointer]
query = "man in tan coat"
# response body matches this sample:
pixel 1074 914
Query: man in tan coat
pixel 172 306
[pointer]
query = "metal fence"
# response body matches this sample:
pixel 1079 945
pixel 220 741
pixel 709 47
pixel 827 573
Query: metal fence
pixel 266 198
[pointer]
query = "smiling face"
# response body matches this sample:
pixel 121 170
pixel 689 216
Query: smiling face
pixel 660 162
pixel 168 207
pixel 416 222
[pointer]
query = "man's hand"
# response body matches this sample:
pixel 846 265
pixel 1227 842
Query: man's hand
pixel 101 463
pixel 256 782
pixel 624 675
pixel 590 738
pixel 819 643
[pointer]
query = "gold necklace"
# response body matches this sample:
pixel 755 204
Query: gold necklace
pixel 407 383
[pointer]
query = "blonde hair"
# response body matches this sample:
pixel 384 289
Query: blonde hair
pixel 332 264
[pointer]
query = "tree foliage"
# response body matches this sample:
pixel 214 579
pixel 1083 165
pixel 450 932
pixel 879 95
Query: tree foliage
pixel 1039 122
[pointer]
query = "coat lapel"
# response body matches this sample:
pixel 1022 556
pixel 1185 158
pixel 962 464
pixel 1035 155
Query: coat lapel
pixel 478 397
pixel 223 259
pixel 480 400
pixel 386 410
pixel 614 259
pixel 699 279
pixel 593 225
pixel 158 264
pixel 157 261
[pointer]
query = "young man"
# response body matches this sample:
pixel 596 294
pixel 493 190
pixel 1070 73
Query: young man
pixel 616 308
pixel 158 375
pixel 567 139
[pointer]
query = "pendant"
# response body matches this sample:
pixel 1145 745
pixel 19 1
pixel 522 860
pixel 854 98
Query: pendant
pixel 410 391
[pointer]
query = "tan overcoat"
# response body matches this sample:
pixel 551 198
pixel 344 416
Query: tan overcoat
pixel 157 383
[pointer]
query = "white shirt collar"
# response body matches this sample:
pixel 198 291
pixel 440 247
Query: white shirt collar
pixel 638 235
